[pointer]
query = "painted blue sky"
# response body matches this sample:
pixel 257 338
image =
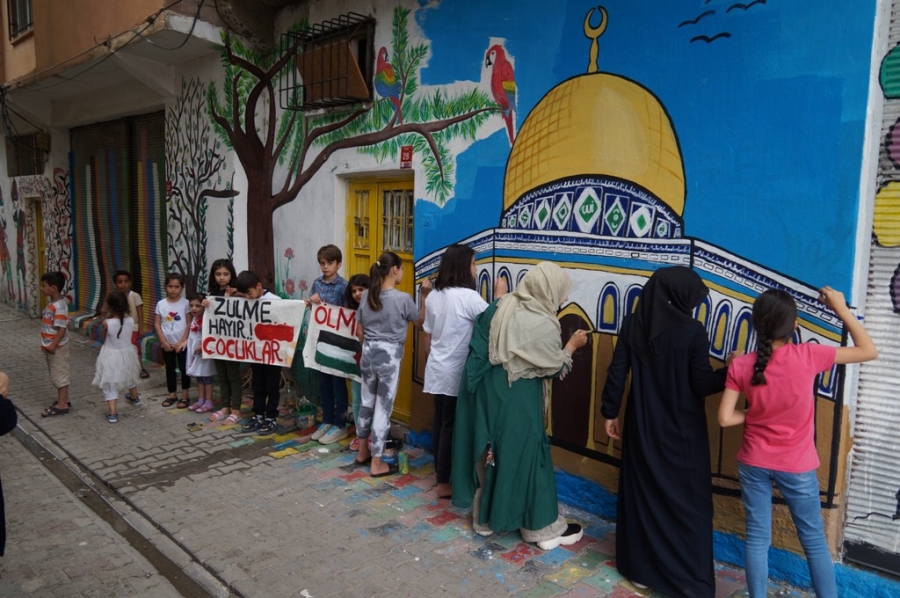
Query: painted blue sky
pixel 770 120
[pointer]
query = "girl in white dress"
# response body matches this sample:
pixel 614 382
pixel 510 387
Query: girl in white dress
pixel 198 367
pixel 118 367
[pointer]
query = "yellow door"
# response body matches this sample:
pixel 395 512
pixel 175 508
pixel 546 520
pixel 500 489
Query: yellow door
pixel 380 218
pixel 41 250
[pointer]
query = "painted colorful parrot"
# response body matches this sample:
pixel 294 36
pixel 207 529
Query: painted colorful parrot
pixel 503 86
pixel 386 82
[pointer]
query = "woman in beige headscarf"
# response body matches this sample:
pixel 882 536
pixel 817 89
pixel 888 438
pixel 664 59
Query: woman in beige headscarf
pixel 501 454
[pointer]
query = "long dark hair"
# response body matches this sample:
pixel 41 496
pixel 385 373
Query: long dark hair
pixel 377 273
pixel 118 307
pixel 774 318
pixel 220 263
pixel 456 268
pixel 357 280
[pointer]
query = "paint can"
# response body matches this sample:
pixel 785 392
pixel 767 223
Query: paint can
pixel 392 447
pixel 305 415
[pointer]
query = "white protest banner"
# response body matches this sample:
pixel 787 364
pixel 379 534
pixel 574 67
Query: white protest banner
pixel 252 330
pixel 331 343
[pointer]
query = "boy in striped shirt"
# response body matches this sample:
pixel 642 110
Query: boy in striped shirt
pixel 54 342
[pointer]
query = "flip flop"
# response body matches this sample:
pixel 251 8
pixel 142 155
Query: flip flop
pixel 144 373
pixel 362 463
pixel 233 418
pixel 218 416
pixel 182 404
pixel 53 410
pixel 392 470
pixel 169 402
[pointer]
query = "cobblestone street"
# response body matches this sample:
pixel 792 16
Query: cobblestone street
pixel 245 516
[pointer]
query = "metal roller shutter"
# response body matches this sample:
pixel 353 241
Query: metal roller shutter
pixel 871 532
pixel 148 207
pixel 118 179
pixel 100 189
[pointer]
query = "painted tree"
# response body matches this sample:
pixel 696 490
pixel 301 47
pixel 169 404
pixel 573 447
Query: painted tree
pixel 194 165
pixel 251 125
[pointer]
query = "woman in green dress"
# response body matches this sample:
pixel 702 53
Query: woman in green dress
pixel 501 454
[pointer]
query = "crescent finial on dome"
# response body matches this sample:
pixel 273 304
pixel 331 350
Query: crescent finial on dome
pixel 594 33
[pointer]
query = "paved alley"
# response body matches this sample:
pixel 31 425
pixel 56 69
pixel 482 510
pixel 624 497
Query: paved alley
pixel 248 517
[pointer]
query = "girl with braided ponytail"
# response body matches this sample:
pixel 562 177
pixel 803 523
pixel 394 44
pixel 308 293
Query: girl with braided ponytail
pixel 778 443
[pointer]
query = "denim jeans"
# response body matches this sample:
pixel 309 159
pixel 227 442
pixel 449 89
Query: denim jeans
pixel 333 395
pixel 801 492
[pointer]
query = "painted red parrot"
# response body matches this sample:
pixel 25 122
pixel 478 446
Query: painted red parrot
pixel 387 84
pixel 503 86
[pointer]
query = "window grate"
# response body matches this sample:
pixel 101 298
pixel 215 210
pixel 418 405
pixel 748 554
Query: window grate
pixel 20 19
pixel 398 220
pixel 333 64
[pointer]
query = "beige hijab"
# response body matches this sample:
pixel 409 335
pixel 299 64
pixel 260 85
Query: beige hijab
pixel 525 334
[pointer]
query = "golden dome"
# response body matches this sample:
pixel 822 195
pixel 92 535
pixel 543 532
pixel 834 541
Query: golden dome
pixel 597 124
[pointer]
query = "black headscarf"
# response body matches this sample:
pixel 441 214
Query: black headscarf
pixel 667 301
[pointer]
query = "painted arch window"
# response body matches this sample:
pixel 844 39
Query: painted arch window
pixel 20 19
pixel 608 309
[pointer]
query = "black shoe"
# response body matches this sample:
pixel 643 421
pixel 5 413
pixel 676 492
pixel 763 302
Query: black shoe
pixel 267 427
pixel 253 425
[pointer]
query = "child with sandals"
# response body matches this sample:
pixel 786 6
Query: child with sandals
pixel 198 367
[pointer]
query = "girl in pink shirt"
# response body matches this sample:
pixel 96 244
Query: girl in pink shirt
pixel 779 424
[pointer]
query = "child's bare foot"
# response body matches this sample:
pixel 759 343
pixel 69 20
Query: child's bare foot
pixel 379 468
pixel 444 490
pixel 364 453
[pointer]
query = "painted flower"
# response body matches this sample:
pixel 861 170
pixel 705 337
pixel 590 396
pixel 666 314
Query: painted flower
pixel 289 253
pixel 302 284
pixel 289 287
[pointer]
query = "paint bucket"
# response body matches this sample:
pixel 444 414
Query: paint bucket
pixel 392 448
pixel 305 414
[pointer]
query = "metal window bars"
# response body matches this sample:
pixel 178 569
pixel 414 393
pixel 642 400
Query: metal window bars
pixel 20 18
pixel 333 64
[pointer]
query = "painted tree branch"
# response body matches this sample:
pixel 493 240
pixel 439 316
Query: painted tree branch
pixel 423 129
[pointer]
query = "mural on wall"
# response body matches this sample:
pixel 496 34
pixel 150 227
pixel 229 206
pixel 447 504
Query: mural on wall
pixel 598 180
pixel 6 268
pixel 404 113
pixel 872 534
pixel 56 210
pixel 287 285
pixel 18 206
pixel 196 173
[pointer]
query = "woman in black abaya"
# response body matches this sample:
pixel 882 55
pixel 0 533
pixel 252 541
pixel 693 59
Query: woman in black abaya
pixel 665 509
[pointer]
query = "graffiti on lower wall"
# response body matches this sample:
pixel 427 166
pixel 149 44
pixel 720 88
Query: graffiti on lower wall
pixel 20 241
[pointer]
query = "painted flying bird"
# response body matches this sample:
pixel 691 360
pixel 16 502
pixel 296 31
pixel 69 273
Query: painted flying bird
pixel 386 82
pixel 503 86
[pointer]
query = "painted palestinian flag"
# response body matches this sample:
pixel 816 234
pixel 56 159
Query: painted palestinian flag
pixel 338 352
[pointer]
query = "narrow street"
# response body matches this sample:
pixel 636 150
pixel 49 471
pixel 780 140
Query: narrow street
pixel 148 507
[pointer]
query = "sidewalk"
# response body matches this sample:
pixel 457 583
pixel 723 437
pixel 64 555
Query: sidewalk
pixel 56 546
pixel 276 517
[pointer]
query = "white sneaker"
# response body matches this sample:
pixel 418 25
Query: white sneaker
pixel 333 435
pixel 321 431
pixel 573 534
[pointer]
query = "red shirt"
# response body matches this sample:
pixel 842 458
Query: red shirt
pixel 780 424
